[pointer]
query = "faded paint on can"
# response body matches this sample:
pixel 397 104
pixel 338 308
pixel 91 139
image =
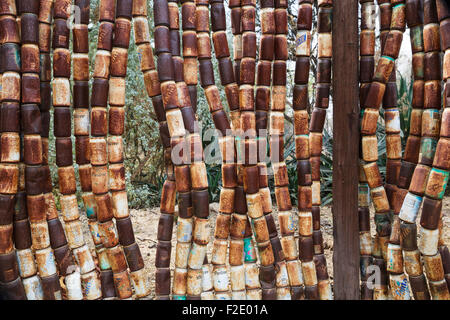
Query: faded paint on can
pixel 238 295
pixel 254 294
pixel 91 285
pixel 207 282
pixel 252 276
pixel 73 284
pixel 141 283
pixel 237 278
pixel 26 264
pixel 283 293
pixel 196 256
pixel 428 242
pixel 220 278
pixel 249 250
pixel 281 277
pixel 84 259
pixel 45 261
pixel 410 207
pixel 182 255
pixel 33 288
pixel 184 230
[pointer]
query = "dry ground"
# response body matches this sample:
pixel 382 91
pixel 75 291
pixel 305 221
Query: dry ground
pixel 145 223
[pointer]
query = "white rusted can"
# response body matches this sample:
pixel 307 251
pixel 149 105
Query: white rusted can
pixel 196 256
pixel 182 255
pixel 281 277
pixel 69 207
pixel 410 207
pixel 238 295
pixel 73 285
pixel 33 288
pixel 237 278
pixel 26 264
pixel 207 281
pixel 184 229
pixel 45 261
pixel 194 282
pixel 252 276
pixel 428 241
pixel 74 233
pixel 220 278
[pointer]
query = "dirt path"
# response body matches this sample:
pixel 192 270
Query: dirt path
pixel 145 223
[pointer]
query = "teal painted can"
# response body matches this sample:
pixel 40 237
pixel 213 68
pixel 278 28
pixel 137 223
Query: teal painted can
pixel 427 150
pixel 176 297
pixel 249 252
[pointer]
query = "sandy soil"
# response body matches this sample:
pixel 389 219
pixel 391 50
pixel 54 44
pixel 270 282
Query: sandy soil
pixel 145 223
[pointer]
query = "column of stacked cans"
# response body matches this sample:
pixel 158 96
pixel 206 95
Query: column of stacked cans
pixel 63 254
pixel 221 280
pixel 103 121
pixel 229 176
pixel 386 225
pixel 408 231
pixel 179 114
pixel 287 249
pixel 107 233
pixel 323 84
pixel 231 225
pixel 430 134
pixel 300 103
pixel 185 76
pixel 371 105
pixel 366 66
pixel 443 10
pixel 249 152
pixel 273 45
pixel 239 232
pixel 81 116
pixel 199 181
pixel 63 142
pixel 32 149
pixel 10 283
pixel 437 180
pixel 130 256
pixel 142 40
pixel 168 195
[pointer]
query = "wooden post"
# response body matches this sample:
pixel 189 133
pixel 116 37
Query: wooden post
pixel 345 149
